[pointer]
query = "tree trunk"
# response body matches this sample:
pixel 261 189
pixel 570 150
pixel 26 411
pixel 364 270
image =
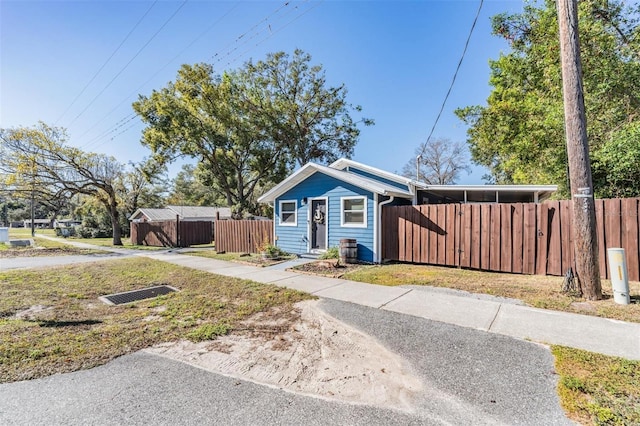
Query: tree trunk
pixel 115 223
pixel 584 217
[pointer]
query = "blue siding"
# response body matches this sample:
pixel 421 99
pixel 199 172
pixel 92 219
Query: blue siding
pixel 356 171
pixel 294 238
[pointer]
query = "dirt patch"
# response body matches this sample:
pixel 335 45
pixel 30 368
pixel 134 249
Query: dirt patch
pixel 33 312
pixel 309 352
pixel 328 268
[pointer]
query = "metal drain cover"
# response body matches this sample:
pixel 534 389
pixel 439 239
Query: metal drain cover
pixel 136 295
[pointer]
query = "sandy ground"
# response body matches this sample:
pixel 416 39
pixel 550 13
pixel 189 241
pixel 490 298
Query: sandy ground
pixel 306 351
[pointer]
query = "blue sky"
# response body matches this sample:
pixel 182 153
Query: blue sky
pixel 396 58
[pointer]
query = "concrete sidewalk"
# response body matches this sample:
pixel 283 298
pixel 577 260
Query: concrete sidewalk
pixel 495 315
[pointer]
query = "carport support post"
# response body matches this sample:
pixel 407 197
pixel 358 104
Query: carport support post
pixel 584 217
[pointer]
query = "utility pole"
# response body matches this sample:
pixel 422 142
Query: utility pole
pixel 584 214
pixel 33 201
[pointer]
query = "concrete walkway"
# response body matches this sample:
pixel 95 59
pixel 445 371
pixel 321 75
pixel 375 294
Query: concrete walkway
pixel 494 315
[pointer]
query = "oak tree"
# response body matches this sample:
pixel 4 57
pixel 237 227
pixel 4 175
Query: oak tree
pixel 39 158
pixel 249 127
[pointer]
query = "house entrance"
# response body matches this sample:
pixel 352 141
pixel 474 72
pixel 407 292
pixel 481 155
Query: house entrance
pixel 318 228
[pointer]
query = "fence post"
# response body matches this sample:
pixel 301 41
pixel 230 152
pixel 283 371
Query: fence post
pixel 177 230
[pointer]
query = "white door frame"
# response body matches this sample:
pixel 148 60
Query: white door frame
pixel 310 223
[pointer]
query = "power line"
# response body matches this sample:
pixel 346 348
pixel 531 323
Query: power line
pixel 240 37
pixel 131 60
pixel 241 40
pixel 215 59
pixel 453 80
pixel 107 61
pixel 133 93
pixel 105 134
pixel 274 32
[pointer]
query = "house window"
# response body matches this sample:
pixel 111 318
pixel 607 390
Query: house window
pixel 288 213
pixel 353 212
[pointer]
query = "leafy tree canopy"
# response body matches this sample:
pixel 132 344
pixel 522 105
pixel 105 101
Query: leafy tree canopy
pixel 38 160
pixel 519 133
pixel 189 189
pixel 248 128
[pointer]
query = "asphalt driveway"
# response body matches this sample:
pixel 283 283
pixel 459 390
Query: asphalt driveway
pixel 470 377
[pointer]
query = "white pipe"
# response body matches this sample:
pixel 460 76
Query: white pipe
pixel 377 255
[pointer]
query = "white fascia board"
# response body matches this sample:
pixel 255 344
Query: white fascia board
pixel 515 188
pixel 343 163
pixel 291 181
pixel 310 168
pixel 365 183
pixel 134 214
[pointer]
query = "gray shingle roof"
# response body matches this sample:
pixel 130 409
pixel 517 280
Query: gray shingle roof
pixel 185 213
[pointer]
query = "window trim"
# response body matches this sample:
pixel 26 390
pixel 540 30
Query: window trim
pixel 295 213
pixel 364 223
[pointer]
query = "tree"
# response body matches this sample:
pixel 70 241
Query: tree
pixel 142 184
pixel 615 167
pixel 40 157
pixel 248 128
pixel 519 133
pixel 438 162
pixel 313 121
pixel 188 189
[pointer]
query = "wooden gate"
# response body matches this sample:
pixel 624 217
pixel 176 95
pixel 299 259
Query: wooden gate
pixel 171 233
pixel 517 238
pixel 242 236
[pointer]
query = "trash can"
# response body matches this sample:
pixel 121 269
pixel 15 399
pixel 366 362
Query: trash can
pixel 618 274
pixel 4 235
pixel 348 250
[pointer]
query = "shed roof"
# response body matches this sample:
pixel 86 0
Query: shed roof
pixel 200 211
pixel 309 169
pixel 185 212
pixel 154 215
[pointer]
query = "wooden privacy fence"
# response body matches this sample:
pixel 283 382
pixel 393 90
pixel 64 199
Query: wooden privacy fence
pixel 517 238
pixel 171 233
pixel 242 236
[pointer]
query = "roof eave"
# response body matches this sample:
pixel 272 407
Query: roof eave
pixel 373 170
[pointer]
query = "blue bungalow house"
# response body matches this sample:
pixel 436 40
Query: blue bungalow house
pixel 317 206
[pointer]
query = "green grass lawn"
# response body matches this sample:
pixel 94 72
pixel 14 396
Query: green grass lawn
pixel 74 330
pixel 108 242
pixel 20 233
pixel 17 233
pixel 535 290
pixel 598 389
pixel 42 246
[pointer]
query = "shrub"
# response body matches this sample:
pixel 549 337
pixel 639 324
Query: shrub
pixel 273 251
pixel 331 253
pixel 87 232
pixel 65 232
